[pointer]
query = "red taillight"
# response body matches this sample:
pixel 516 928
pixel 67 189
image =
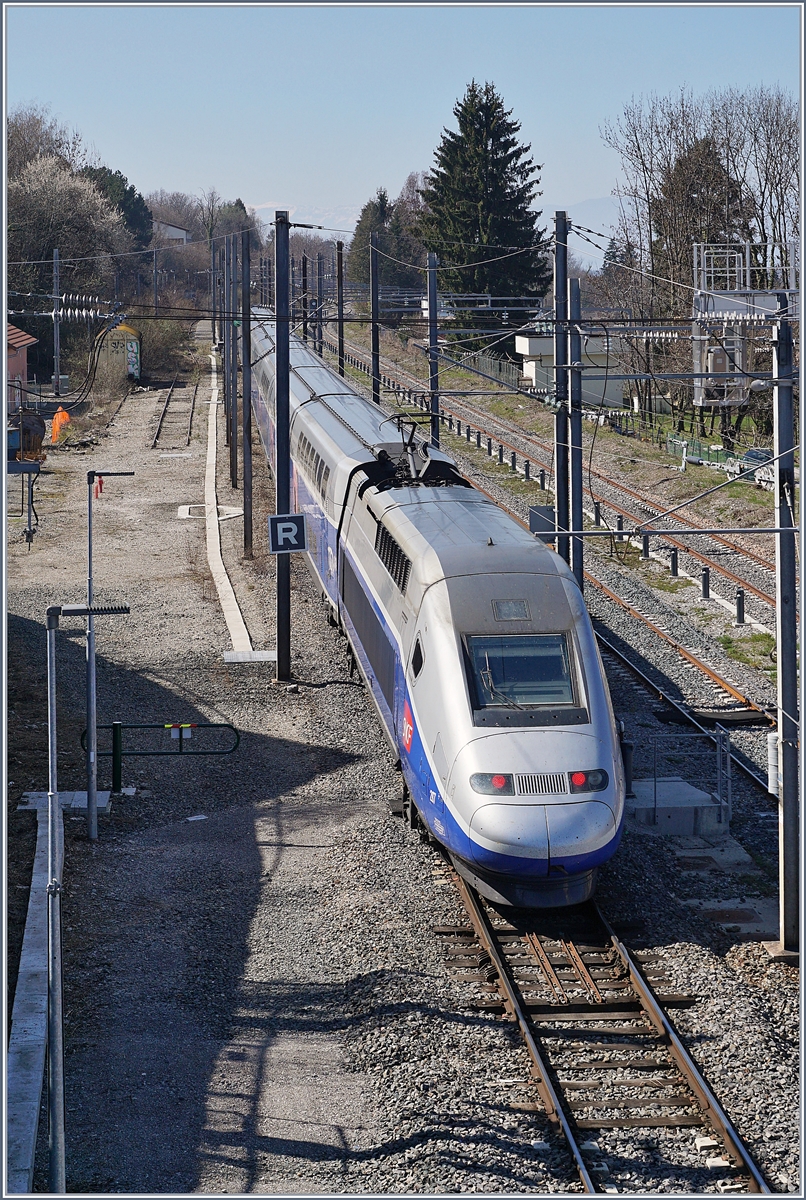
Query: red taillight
pixel 588 781
pixel 492 785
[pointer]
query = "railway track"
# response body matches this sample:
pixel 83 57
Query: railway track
pixel 414 392
pixel 175 420
pixel 604 1053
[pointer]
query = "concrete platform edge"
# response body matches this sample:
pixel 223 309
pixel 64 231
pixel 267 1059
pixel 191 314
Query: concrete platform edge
pixel 25 1059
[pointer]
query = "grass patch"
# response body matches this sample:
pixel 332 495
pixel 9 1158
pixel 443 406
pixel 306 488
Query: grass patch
pixel 749 492
pixel 667 583
pixel 753 650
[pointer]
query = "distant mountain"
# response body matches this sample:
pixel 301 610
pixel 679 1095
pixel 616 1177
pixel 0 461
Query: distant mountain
pixel 599 214
pixel 341 218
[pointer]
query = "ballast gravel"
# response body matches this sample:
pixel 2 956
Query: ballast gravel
pixel 256 1000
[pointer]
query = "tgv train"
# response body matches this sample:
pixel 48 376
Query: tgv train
pixel 471 635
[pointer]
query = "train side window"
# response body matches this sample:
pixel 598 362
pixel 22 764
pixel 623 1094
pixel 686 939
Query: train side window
pixel 417 658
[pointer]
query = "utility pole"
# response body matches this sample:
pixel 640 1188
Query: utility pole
pixel 57 345
pixel 246 376
pixel 156 302
pixel 55 1046
pixel 220 292
pixel 92 710
pixel 575 353
pixel 233 411
pixel 305 298
pixel 320 298
pixel 786 634
pixel 340 302
pixel 56 1139
pixel 561 380
pixel 433 348
pixel 226 330
pixel 282 466
pixel 375 314
pixel 212 286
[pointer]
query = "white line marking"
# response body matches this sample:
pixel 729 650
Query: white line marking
pixel 226 596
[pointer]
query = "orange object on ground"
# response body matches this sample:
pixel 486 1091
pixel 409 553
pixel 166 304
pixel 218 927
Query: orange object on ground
pixel 60 419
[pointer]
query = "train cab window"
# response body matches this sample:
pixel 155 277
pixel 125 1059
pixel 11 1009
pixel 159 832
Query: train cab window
pixel 417 659
pixel 523 679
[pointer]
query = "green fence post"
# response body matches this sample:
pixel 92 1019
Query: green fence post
pixel 117 756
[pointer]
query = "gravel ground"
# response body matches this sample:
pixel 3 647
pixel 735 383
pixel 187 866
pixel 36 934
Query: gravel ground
pixel 256 1002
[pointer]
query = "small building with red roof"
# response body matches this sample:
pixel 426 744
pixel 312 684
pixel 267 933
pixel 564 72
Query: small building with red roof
pixel 17 342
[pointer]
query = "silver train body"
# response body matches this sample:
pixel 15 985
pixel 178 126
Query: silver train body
pixel 472 637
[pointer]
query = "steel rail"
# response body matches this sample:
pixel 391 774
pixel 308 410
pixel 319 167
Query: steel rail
pixel 130 392
pixel 164 410
pixel 713 675
pixel 685 1064
pixel 687 549
pixel 545 1087
pixel 192 409
pixel 554 1100
pixel 676 704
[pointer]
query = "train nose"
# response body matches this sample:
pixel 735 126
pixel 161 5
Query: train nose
pixel 543 835
pixel 515 830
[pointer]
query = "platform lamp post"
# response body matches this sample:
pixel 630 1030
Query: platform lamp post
pixel 282 468
pixel 93 477
pixel 56 1140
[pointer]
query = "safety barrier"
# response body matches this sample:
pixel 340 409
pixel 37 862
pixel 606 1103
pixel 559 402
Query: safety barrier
pixel 180 732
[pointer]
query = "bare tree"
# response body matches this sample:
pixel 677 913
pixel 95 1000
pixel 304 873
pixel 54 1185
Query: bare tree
pixel 33 133
pixel 209 207
pixel 720 168
pixel 50 207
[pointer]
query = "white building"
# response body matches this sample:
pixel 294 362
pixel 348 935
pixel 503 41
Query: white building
pixel 171 233
pixel 598 356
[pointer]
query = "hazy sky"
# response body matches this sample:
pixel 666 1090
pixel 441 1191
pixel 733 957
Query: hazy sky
pixel 312 107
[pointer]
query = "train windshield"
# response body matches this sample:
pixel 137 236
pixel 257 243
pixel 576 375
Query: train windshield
pixel 521 671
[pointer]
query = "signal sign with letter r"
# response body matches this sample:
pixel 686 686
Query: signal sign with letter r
pixel 287 533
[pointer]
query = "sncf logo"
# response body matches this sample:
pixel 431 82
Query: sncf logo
pixel 408 726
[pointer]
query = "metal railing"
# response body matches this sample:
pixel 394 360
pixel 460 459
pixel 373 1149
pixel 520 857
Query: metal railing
pixel 746 266
pixel 497 368
pixel 179 732
pixel 724 779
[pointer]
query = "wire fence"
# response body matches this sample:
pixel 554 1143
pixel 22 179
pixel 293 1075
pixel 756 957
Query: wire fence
pixel 497 368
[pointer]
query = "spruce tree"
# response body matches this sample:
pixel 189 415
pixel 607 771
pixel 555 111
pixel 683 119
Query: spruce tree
pixel 401 252
pixel 478 199
pixel 373 218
